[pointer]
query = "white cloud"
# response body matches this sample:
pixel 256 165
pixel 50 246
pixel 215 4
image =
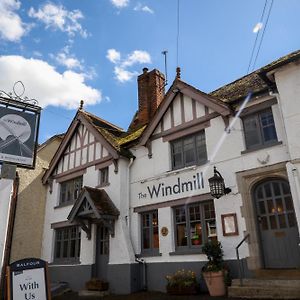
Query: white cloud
pixel 11 26
pixel 123 75
pixel 37 53
pixel 145 8
pixel 66 59
pixel 58 18
pixel 121 71
pixel 137 56
pixel 69 62
pixel 120 3
pixel 45 84
pixel 257 27
pixel 113 55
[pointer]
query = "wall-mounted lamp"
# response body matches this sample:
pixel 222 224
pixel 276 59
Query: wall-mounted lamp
pixel 217 185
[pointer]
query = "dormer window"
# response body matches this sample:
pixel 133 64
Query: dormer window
pixel 189 151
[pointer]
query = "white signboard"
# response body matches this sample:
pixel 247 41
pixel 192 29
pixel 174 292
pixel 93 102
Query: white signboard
pixel 29 284
pixel 28 280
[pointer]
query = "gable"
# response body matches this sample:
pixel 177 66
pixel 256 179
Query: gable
pixel 83 148
pixel 182 112
pixel 83 145
pixel 185 110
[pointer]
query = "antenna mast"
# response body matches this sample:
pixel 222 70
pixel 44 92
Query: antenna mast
pixel 164 53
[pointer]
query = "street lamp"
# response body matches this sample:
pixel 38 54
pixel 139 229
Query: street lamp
pixel 217 185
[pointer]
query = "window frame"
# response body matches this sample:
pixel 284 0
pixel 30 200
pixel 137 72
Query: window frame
pixel 104 174
pixel 181 143
pixel 190 248
pixel 68 259
pixel 64 186
pixel 151 251
pixel 259 132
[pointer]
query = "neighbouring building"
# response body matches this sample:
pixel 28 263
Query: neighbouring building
pixel 30 208
pixel 131 207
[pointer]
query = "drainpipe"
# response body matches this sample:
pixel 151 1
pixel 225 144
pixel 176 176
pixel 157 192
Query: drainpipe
pixel 128 217
pixel 144 264
pixel 9 236
pixel 293 175
pixel 140 261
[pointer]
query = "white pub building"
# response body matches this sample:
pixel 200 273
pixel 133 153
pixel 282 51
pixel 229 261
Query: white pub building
pixel 131 207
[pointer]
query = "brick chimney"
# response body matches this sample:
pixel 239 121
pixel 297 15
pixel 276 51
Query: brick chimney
pixel 151 91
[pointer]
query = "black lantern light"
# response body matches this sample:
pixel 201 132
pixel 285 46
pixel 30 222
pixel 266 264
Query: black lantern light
pixel 217 185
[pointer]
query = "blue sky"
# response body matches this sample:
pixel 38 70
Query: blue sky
pixel 68 50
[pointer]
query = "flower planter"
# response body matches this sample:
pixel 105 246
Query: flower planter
pixel 182 290
pixel 215 283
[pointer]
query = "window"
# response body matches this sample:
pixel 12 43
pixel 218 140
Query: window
pixel 103 176
pixel 69 190
pixel 67 244
pixel 150 239
pixel 259 129
pixel 188 151
pixel 194 224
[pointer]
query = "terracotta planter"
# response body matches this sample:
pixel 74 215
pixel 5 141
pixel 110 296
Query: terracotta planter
pixel 215 283
pixel 182 290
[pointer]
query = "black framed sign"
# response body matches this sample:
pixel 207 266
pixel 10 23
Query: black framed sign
pixel 19 123
pixel 28 279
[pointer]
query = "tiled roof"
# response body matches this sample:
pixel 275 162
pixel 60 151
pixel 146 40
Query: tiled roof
pixel 102 202
pixel 253 82
pixel 116 136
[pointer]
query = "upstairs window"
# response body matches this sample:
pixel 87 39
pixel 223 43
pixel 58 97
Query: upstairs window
pixel 188 151
pixel 103 176
pixel 150 239
pixel 259 129
pixel 67 244
pixel 69 190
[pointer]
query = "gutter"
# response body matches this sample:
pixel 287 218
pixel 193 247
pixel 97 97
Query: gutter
pixel 9 236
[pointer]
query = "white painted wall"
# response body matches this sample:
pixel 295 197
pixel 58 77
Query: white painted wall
pixel 224 151
pixel 288 84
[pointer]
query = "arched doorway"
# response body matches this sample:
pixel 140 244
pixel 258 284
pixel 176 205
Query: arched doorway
pixel 276 223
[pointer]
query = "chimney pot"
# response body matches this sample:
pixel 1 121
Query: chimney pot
pixel 145 70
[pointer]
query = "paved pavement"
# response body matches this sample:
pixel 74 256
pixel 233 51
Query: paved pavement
pixel 142 296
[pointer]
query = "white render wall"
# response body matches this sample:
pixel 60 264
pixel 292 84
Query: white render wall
pixel 6 189
pixel 120 248
pixel 224 151
pixel 288 85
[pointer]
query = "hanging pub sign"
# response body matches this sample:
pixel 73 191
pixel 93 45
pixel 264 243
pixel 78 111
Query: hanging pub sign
pixel 19 123
pixel 27 279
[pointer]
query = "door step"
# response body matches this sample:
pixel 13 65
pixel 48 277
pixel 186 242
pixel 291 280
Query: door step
pixel 278 274
pixel 87 293
pixel 265 289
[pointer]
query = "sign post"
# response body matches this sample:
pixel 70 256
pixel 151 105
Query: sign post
pixel 28 279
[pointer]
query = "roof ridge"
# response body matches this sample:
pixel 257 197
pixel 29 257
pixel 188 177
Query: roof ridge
pixel 103 121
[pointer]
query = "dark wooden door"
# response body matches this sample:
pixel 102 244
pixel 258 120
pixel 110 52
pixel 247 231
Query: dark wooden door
pixel 102 255
pixel 277 224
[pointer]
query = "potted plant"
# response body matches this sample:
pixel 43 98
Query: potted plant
pixel 214 271
pixel 182 282
pixel 196 239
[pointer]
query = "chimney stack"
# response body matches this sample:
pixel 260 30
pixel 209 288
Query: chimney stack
pixel 151 91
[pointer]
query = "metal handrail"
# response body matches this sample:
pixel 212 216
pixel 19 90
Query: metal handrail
pixel 241 270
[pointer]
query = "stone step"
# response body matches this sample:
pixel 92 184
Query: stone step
pixel 59 288
pixel 98 294
pixel 293 283
pixel 277 274
pixel 264 292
